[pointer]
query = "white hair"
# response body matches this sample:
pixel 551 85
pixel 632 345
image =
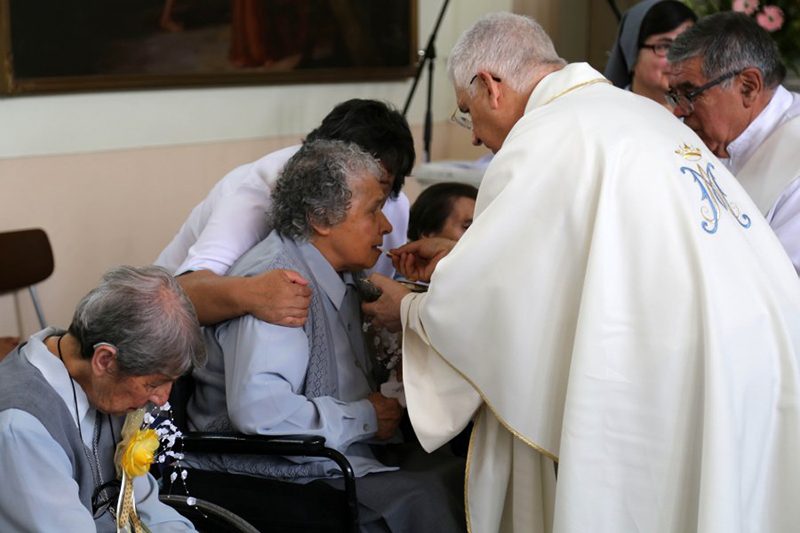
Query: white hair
pixel 511 47
pixel 144 312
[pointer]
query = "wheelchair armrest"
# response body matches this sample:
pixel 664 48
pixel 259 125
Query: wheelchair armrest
pixel 238 443
pixel 285 445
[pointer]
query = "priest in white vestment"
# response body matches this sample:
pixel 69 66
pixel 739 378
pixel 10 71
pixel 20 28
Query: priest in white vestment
pixel 619 321
pixel 743 114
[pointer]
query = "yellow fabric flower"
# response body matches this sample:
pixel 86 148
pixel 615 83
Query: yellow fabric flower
pixel 138 454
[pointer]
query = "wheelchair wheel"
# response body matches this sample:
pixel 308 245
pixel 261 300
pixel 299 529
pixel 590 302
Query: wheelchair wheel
pixel 208 517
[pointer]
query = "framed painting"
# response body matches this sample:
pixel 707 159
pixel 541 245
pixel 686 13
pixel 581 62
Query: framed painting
pixel 85 45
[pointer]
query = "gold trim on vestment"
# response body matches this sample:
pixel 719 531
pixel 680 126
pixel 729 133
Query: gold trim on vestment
pixel 502 420
pixel 466 471
pixel 584 84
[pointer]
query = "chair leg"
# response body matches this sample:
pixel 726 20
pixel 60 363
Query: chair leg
pixel 37 306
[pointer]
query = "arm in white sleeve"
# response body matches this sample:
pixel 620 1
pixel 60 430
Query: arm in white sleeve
pixel 784 219
pixel 439 400
pixel 237 222
pixel 265 367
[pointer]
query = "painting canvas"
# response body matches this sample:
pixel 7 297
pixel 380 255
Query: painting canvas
pixel 79 45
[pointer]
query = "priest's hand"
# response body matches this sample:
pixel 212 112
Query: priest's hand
pixel 417 260
pixel 388 413
pixel 385 311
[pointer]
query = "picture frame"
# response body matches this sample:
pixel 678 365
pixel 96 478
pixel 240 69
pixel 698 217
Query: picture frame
pixel 51 46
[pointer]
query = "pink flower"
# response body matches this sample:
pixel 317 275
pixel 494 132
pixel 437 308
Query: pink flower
pixel 745 6
pixel 770 18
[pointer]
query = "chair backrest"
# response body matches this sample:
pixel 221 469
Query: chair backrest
pixel 26 258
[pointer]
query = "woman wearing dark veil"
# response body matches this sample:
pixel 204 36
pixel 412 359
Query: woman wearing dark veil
pixel 638 60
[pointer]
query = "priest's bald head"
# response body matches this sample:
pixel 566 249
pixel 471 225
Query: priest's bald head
pixel 494 67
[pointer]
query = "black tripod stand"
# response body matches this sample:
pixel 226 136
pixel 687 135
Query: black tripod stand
pixel 428 57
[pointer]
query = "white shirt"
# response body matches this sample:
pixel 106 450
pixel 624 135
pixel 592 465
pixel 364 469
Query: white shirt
pixel 233 218
pixel 769 171
pixel 783 106
pixel 38 488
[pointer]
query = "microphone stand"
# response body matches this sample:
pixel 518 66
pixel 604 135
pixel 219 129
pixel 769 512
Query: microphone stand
pixel 613 5
pixel 428 57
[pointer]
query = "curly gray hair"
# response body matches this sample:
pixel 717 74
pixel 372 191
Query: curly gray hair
pixel 147 316
pixel 729 41
pixel 314 186
pixel 512 47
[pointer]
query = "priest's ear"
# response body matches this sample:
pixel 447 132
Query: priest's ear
pixel 751 85
pixel 492 86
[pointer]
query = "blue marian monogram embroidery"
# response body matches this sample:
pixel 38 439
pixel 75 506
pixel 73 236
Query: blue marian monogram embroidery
pixel 714 198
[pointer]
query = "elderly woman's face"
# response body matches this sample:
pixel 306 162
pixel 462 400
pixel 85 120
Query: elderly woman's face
pixel 117 395
pixel 354 243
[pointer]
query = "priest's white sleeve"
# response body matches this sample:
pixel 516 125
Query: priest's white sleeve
pixel 440 401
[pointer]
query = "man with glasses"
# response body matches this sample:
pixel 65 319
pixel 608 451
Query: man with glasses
pixel 63 395
pixel 617 315
pixel 725 84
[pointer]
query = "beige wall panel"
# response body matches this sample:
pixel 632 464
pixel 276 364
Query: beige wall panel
pixel 123 206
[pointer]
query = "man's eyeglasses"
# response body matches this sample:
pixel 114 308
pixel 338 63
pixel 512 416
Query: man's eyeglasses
pixel 685 101
pixel 659 49
pixel 462 118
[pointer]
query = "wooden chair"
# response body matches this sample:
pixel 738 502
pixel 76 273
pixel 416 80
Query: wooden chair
pixel 26 258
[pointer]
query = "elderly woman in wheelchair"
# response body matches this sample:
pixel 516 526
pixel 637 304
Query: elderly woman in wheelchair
pixel 265 379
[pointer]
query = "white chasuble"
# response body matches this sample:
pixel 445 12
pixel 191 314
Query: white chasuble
pixel 620 307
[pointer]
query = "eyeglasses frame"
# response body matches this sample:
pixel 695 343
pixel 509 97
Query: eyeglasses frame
pixel 655 47
pixel 674 97
pixel 464 119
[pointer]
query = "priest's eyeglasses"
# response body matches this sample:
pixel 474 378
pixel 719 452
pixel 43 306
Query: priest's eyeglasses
pixel 685 101
pixel 659 49
pixel 463 118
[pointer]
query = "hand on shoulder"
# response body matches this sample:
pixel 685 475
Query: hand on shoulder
pixel 279 297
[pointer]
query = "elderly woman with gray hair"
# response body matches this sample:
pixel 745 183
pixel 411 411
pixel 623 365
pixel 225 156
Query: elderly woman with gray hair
pixel 317 380
pixel 62 394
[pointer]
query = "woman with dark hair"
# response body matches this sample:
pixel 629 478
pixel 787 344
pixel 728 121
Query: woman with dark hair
pixel 638 60
pixel 442 210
